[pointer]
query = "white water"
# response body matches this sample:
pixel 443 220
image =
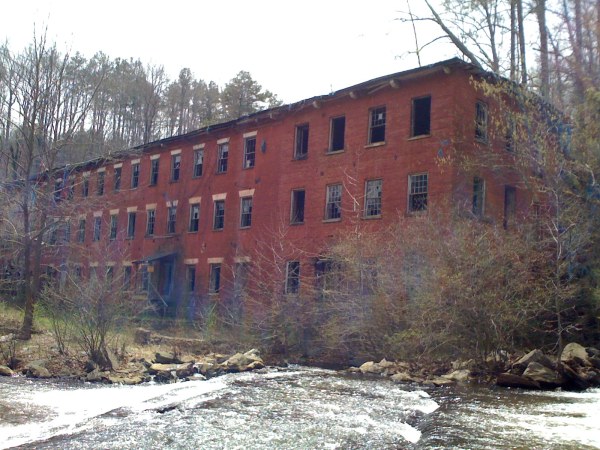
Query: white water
pixel 292 408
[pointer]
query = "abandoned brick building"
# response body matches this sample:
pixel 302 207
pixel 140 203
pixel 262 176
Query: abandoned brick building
pixel 190 210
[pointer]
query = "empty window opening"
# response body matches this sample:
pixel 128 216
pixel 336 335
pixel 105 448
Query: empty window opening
pixel 301 145
pixel 292 278
pixel 85 187
pixel 117 179
pixel 246 212
pixel 481 121
pixel 377 119
pixel 191 278
pixel 297 210
pixel 97 228
pixel 338 130
pixel 510 206
pixel 194 217
pixel 135 175
pixel 421 116
pixel 223 155
pixel 175 167
pixel 219 215
pixel 198 163
pixel 373 190
pixel 127 278
pixel 150 220
pixel 113 227
pixel 171 219
pixel 131 224
pixel 100 183
pixel 478 197
pixel 215 279
pixel 333 203
pixel 154 172
pixel 81 231
pixel 249 152
pixel 417 192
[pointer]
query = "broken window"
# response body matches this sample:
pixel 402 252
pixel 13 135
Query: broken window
pixel 510 205
pixel 373 198
pixel 297 209
pixel 301 144
pixel 417 192
pixel 478 196
pixel 171 219
pixel 194 217
pixel 338 130
pixel 377 118
pixel 223 155
pixel 333 202
pixel 131 224
pixel 175 167
pixel 421 116
pixel 81 231
pixel 292 277
pixel 97 228
pixel 117 179
pixel 198 162
pixel 481 121
pixel 113 226
pixel 249 152
pixel 191 278
pixel 219 215
pixel 154 172
pixel 100 183
pixel 135 175
pixel 246 212
pixel 215 279
pixel 150 220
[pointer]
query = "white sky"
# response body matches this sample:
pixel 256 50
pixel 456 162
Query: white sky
pixel 295 49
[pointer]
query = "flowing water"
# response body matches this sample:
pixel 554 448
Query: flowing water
pixel 292 408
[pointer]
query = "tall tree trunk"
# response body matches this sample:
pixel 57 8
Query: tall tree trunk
pixel 540 9
pixel 521 27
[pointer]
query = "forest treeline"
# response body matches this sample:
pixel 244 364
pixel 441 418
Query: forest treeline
pixel 105 104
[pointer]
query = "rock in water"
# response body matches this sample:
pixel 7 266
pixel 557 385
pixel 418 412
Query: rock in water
pixel 534 356
pixel 516 381
pixel 6 371
pixel 546 377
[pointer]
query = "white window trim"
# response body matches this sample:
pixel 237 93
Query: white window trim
pixel 153 157
pixel 198 147
pixel 246 193
pixel 215 260
pixel 176 152
pixel 194 200
pixel 222 141
pixel 249 134
pixel 222 196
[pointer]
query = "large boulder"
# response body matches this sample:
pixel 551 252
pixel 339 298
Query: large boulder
pixel 371 367
pixel 546 377
pixel 37 369
pixel 516 381
pixel 6 371
pixel 574 355
pixel 536 356
pixel 167 358
pixel 458 375
pixel 242 362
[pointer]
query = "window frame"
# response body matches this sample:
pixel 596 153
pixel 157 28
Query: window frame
pixel 150 222
pixel 478 200
pixel 135 175
pixel 171 219
pixel 411 196
pixel 301 140
pixel 332 134
pixel 292 278
pixel 194 223
pixel 81 231
pixel 294 206
pixel 214 280
pixel 333 207
pixel 100 182
pixel 414 132
pixel 249 153
pixel 175 167
pixel 198 152
pixel 367 208
pixel 218 217
pixel 85 186
pixel 97 229
pixel 154 171
pixel 114 223
pixel 481 121
pixel 131 224
pixel 247 214
pixel 117 175
pixel 222 157
pixel 377 127
pixel 190 278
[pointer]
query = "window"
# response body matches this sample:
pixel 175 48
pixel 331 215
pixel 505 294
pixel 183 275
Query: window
pixel 222 155
pixel 219 217
pixel 71 191
pixel 297 210
pixel 301 145
pixel 510 205
pixel 215 279
pixel 198 161
pixel 338 130
pixel 478 196
pixel 249 152
pixel 511 131
pixel 175 167
pixel 194 217
pixel 417 192
pixel 373 198
pixel 97 228
pixel 85 187
pixel 292 277
pixel 481 121
pixel 240 278
pixel 53 237
pixel 171 219
pixel 126 278
pixel 131 224
pixel 377 125
pixel 333 202
pixel 113 226
pixel 81 231
pixel 150 220
pixel 58 185
pixel 68 231
pixel 154 172
pixel 135 175
pixel 421 116
pixel 190 278
pixel 246 212
pixel 117 179
pixel 100 183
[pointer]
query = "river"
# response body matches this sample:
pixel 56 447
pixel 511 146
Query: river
pixel 292 408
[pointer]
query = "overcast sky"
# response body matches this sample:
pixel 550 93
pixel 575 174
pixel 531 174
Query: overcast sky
pixel 295 49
